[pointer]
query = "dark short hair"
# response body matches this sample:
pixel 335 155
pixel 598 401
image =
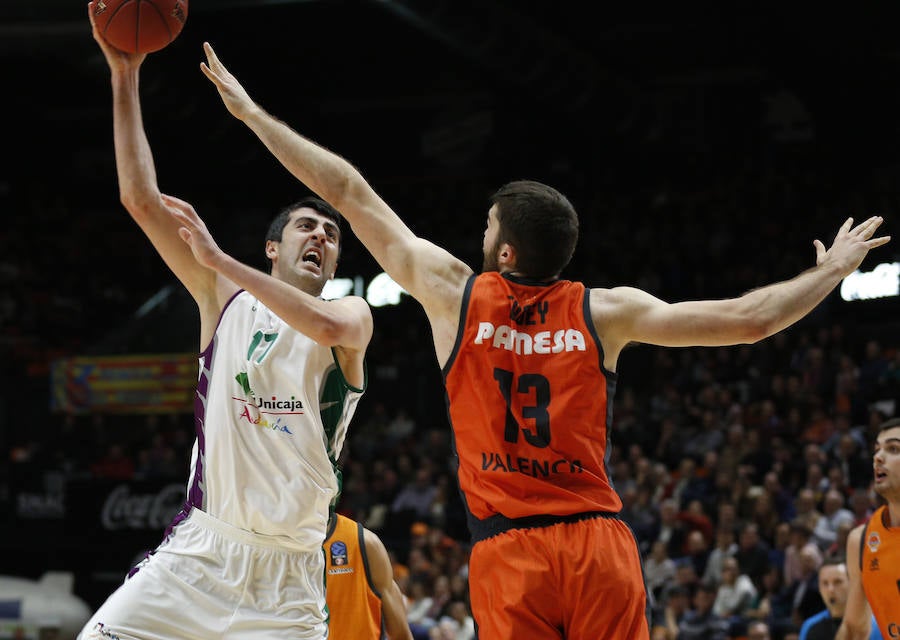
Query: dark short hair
pixel 833 561
pixel 540 223
pixel 276 227
pixel 889 424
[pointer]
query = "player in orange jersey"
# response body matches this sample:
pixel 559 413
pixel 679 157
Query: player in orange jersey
pixel 364 601
pixel 529 363
pixel 873 549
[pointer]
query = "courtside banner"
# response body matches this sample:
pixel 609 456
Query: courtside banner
pixel 157 383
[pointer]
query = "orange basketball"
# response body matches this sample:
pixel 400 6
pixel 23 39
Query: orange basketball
pixel 139 26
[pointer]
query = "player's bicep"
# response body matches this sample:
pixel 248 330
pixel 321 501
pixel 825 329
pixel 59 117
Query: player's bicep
pixel 857 614
pixel 356 326
pixel 638 316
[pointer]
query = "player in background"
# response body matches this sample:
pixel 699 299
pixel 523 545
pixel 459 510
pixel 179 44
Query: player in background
pixel 364 600
pixel 873 549
pixel 529 364
pixel 281 372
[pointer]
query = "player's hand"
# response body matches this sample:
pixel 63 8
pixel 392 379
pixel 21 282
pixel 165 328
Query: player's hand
pixel 236 99
pixel 193 231
pixel 117 59
pixel 851 244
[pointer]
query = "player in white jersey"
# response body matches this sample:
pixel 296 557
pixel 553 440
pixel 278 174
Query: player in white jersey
pixel 280 375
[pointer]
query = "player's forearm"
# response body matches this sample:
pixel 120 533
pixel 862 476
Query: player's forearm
pixel 778 306
pixel 134 159
pixel 849 632
pixel 339 183
pixel 323 171
pixel 315 318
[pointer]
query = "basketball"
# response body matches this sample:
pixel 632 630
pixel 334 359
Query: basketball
pixel 139 26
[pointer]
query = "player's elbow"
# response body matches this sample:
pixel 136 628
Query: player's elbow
pixel 757 329
pixel 333 330
pixel 757 322
pixel 138 203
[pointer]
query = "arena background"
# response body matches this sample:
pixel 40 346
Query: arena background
pixel 704 149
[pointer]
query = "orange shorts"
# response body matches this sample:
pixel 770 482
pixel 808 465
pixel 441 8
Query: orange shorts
pixel 579 581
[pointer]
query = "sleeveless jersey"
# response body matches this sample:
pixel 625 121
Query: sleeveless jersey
pixel 354 605
pixel 529 401
pixel 271 413
pixel 880 571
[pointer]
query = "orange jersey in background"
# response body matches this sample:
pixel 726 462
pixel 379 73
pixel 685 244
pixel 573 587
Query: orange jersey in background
pixel 880 572
pixel 354 606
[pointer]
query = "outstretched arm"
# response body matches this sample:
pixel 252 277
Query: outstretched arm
pixel 393 607
pixel 138 189
pixel 625 314
pixel 857 620
pixel 430 274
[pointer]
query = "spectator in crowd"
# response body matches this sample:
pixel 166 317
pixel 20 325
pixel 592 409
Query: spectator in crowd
pixel 455 624
pixel 696 551
pixel 700 622
pixel 801 541
pixel 758 630
pixel 417 496
pixel 668 616
pixel 805 508
pixel 735 595
pixel 833 514
pixel 773 603
pixel 805 597
pixel 753 552
pixel 838 549
pixel 853 460
pixel 115 464
pixel 726 547
pixel 778 550
pixel 671 530
pixel 861 505
pixel 659 568
pixel 781 497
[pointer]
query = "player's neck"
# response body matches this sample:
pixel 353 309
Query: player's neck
pixel 893 515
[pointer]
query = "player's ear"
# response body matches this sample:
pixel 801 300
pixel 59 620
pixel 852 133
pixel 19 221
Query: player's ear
pixel 506 255
pixel 271 249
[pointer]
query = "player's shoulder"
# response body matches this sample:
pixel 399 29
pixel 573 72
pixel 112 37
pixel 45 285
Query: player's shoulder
pixel 857 530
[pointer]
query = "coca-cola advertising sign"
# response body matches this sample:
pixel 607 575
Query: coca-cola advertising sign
pixel 136 506
pixel 126 508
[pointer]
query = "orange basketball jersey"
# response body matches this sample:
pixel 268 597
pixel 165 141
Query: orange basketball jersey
pixel 354 606
pixel 880 571
pixel 530 403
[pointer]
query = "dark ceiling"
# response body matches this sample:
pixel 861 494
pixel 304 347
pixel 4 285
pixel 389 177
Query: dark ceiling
pixel 378 78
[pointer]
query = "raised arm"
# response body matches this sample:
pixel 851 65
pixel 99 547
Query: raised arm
pixel 393 606
pixel 430 274
pixel 857 620
pixel 138 189
pixel 625 314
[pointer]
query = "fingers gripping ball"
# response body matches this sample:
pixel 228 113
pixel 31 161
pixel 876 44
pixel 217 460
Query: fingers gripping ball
pixel 139 26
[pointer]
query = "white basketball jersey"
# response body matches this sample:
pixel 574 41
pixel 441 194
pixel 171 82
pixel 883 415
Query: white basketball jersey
pixel 271 411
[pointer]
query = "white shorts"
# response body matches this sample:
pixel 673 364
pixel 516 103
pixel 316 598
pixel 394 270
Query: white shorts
pixel 211 580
